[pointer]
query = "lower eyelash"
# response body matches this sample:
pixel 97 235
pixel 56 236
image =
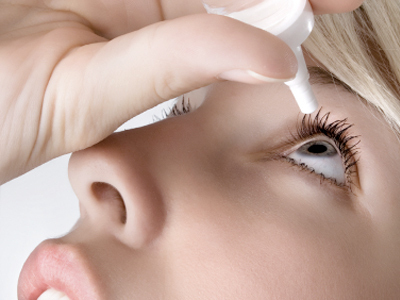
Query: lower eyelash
pixel 304 167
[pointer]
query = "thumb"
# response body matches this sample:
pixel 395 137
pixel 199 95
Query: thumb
pixel 100 86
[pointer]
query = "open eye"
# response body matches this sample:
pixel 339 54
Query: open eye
pixel 322 158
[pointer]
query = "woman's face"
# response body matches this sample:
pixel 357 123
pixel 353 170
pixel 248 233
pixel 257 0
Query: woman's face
pixel 220 203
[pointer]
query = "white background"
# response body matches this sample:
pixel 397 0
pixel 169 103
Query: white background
pixel 41 205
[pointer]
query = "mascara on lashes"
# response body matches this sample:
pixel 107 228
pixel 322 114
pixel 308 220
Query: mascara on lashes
pixel 337 131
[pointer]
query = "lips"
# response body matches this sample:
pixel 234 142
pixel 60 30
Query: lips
pixel 61 267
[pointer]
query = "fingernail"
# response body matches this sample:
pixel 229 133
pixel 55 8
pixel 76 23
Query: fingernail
pixel 248 76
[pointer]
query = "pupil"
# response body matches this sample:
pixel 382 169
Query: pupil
pixel 317 149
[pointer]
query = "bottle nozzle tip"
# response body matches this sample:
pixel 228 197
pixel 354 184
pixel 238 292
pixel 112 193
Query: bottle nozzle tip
pixel 308 107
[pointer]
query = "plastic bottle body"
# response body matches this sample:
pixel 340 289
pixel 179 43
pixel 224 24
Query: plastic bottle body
pixel 291 20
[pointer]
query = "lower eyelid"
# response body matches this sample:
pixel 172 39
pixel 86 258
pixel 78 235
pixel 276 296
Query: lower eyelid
pixel 323 180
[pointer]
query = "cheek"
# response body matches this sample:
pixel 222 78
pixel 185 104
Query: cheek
pixel 252 238
pixel 251 262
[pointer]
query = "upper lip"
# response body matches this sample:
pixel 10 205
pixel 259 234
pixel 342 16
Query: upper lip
pixel 61 267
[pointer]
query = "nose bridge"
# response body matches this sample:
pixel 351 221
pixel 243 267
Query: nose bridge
pixel 116 186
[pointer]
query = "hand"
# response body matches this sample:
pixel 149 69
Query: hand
pixel 319 6
pixel 73 71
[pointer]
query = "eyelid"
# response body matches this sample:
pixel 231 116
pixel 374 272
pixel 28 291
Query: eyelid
pixel 292 143
pixel 323 180
pixel 336 132
pixel 297 144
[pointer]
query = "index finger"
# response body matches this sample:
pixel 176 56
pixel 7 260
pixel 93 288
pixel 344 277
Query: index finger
pixel 319 6
pixel 112 18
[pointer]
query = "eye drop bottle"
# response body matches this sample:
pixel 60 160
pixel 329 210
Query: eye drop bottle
pixel 290 20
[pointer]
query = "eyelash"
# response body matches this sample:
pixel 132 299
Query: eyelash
pixel 186 108
pixel 337 131
pixel 175 110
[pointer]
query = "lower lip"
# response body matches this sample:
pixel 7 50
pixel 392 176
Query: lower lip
pixel 56 266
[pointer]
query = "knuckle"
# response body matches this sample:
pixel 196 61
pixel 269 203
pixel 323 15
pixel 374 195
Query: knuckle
pixel 167 85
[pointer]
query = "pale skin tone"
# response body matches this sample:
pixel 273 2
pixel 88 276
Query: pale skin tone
pixel 209 214
pixel 68 64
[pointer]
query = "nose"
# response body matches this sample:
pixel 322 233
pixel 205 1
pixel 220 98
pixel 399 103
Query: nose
pixel 116 188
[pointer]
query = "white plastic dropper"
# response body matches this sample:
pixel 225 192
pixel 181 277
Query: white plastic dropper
pixel 290 20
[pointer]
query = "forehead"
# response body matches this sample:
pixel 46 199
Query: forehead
pixel 274 102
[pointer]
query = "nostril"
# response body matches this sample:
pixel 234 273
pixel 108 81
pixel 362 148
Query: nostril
pixel 109 195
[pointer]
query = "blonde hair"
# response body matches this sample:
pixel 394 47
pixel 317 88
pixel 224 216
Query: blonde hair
pixel 362 49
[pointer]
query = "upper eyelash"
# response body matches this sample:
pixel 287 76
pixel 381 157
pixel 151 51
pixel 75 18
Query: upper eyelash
pixel 175 110
pixel 186 108
pixel 338 131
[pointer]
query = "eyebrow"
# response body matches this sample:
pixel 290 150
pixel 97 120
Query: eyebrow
pixel 321 76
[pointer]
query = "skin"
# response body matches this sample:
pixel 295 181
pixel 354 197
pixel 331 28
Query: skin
pixel 209 214
pixel 76 62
